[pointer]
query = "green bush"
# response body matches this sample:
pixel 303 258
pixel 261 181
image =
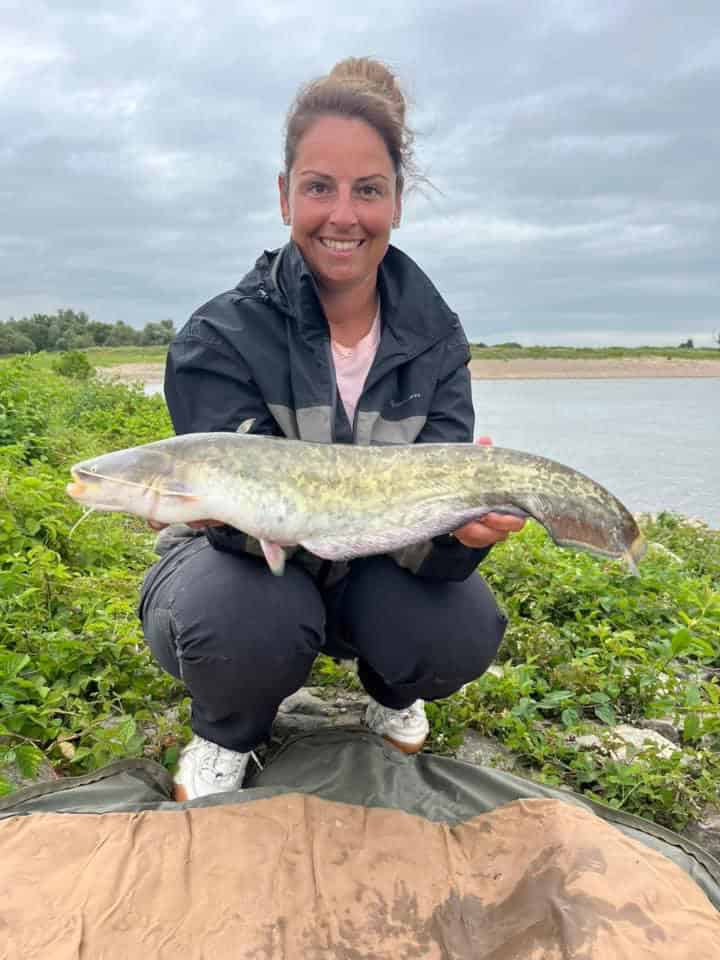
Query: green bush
pixel 73 364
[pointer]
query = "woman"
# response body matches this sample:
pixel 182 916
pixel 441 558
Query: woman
pixel 337 337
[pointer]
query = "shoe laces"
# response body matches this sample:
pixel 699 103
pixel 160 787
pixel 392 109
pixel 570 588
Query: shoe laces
pixel 218 763
pixel 405 716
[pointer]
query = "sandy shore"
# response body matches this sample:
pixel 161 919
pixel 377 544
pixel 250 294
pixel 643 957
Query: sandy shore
pixel 520 369
pixel 620 369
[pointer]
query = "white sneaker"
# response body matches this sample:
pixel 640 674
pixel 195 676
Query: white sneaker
pixel 407 729
pixel 205 768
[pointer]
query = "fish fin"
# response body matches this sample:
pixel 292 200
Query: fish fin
pixel 275 556
pixel 246 426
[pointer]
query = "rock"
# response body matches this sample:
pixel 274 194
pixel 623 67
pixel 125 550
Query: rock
pixel 706 832
pixel 588 741
pixel 637 739
pixel 306 711
pixel 665 727
pixel 486 752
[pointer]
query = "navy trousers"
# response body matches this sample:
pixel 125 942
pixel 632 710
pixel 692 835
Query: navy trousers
pixel 242 639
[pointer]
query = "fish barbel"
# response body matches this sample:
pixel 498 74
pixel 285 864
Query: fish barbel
pixel 341 501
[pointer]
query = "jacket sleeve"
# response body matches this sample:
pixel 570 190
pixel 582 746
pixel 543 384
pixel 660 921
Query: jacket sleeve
pixel 451 420
pixel 209 387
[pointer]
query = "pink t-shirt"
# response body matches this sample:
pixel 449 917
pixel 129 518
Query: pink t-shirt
pixel 352 365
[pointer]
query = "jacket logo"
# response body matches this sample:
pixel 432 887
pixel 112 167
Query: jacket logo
pixel 400 403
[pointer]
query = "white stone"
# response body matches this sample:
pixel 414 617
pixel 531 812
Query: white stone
pixel 637 739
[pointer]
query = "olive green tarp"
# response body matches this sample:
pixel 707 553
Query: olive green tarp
pixel 344 847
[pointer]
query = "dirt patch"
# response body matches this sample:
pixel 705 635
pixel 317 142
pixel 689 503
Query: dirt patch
pixel 133 373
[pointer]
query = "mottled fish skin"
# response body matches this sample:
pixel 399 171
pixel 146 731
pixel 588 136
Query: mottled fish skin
pixel 342 501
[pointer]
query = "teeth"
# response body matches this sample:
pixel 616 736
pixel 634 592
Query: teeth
pixel 341 244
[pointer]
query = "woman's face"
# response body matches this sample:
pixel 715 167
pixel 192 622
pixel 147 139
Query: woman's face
pixel 341 200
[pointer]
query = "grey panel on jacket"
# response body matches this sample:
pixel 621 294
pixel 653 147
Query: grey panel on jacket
pixel 315 424
pixel 372 428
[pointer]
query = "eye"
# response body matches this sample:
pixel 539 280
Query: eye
pixel 370 191
pixel 317 188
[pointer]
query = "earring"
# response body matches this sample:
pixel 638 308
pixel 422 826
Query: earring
pixel 396 222
pixel 286 221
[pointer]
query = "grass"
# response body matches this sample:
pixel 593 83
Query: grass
pixel 592 353
pixel 112 356
pixel 588 645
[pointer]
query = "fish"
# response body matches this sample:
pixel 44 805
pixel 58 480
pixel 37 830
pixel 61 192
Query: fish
pixel 343 501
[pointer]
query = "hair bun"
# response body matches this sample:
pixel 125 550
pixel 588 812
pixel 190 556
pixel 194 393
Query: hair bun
pixel 372 76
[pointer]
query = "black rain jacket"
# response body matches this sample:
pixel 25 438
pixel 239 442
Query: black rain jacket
pixel 262 352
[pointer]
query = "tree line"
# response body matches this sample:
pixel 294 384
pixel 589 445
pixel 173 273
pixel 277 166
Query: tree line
pixel 74 330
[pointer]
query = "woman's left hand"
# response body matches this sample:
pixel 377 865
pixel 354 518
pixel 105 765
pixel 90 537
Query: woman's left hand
pixel 493 528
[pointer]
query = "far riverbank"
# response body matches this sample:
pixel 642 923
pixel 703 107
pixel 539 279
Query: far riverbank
pixel 515 369
pixel 620 368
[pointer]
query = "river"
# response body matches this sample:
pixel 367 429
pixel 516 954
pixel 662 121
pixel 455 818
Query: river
pixel 654 443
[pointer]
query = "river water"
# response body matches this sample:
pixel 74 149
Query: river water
pixel 654 443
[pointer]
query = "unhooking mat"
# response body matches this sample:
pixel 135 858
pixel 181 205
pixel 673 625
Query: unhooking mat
pixel 343 847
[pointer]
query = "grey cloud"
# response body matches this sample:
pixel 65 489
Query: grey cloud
pixel 574 146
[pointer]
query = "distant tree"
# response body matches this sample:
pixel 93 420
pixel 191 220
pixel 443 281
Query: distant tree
pixel 479 344
pixel 72 330
pixel 157 334
pixel 686 344
pixel 716 337
pixel 13 341
pixel 510 345
pixel 122 335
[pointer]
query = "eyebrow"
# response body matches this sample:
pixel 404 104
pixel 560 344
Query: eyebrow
pixel 326 176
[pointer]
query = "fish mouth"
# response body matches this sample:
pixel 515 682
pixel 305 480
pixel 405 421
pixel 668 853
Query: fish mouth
pixel 85 479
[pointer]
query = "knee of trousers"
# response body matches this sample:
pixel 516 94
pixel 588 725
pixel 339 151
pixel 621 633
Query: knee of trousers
pixel 221 619
pixel 448 639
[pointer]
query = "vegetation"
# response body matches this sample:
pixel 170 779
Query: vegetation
pixel 71 330
pixel 513 351
pixel 588 645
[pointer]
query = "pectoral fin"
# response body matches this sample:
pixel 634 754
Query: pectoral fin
pixel 275 556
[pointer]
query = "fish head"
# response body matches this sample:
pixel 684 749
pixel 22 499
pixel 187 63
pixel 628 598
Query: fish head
pixel 151 481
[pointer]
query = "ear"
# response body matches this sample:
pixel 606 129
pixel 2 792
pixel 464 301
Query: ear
pixel 283 187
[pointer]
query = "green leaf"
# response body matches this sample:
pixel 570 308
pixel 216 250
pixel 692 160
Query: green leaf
pixel 28 759
pixel 692 728
pixel 606 714
pixel 680 641
pixel 569 716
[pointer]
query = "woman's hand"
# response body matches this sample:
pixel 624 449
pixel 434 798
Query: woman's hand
pixel 493 528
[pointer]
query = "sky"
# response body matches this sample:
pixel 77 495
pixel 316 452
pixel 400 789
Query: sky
pixel 573 147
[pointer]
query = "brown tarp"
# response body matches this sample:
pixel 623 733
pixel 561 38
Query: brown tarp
pixel 296 876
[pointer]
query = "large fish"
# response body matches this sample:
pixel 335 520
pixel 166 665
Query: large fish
pixel 341 501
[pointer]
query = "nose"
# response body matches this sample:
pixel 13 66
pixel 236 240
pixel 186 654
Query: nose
pixel 343 213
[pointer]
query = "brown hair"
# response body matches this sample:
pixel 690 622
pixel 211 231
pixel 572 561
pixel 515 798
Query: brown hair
pixel 361 89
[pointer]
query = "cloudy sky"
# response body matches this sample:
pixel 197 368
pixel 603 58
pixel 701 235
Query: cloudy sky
pixel 575 146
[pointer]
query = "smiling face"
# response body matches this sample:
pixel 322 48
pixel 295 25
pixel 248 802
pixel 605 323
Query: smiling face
pixel 341 199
